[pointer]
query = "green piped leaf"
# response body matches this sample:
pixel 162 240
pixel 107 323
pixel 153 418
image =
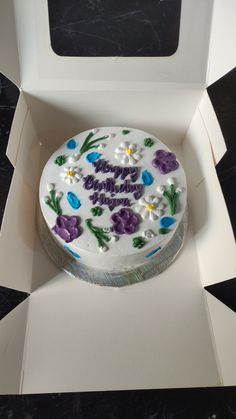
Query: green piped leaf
pixel 60 160
pixel 96 211
pixel 139 242
pixel 163 230
pixel 148 142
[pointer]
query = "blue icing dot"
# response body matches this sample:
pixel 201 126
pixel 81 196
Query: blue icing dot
pixel 166 222
pixel 153 252
pixel 73 200
pixel 76 255
pixel 71 144
pixel 91 157
pixel 147 178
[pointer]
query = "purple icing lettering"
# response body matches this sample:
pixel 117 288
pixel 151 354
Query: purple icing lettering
pixel 134 174
pixel 117 171
pixel 98 165
pixel 94 198
pixel 126 202
pixel 95 185
pixel 117 188
pixel 102 199
pixel 127 186
pixel 107 167
pixel 139 191
pixel 104 167
pixel 125 172
pixel 112 204
pixel 122 187
pixel 110 185
pixel 100 186
pixel 88 182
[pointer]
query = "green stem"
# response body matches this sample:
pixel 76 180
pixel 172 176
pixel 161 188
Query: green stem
pixel 97 232
pixel 49 203
pixel 90 135
pixel 171 198
pixel 88 145
pixel 57 208
pixel 98 139
pixel 54 203
pixel 52 196
pixel 172 190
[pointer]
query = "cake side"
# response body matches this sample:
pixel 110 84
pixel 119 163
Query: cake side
pixel 112 197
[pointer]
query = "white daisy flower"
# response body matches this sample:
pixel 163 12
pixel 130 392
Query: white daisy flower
pixel 71 174
pixel 148 234
pixel 150 207
pixel 128 153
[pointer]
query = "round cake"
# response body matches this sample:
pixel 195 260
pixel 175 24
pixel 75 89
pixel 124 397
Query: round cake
pixel 113 205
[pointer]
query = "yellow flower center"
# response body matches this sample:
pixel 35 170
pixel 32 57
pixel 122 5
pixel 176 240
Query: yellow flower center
pixel 70 173
pixel 150 206
pixel 129 151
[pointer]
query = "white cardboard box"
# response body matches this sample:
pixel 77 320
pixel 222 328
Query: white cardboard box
pixel 167 331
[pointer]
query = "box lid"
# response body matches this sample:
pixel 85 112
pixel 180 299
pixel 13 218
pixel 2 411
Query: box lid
pixel 38 62
pixel 9 64
pixel 222 53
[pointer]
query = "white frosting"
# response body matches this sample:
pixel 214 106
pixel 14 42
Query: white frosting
pixel 119 253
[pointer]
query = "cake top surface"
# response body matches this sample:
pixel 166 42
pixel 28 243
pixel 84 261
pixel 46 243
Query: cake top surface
pixel 113 190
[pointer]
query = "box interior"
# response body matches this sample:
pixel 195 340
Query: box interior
pixel 139 325
pixel 73 336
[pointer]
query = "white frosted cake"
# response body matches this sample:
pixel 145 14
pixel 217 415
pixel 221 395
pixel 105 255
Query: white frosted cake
pixel 113 202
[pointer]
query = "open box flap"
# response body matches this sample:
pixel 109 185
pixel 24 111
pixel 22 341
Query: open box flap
pixel 12 344
pixel 38 61
pixel 18 228
pixel 17 129
pixel 9 63
pixel 222 51
pixel 223 322
pixel 213 128
pixel 213 232
pixel 83 337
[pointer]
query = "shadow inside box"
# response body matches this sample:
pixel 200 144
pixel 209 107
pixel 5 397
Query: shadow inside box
pixel 197 194
pixel 43 268
pixel 56 123
pixel 56 119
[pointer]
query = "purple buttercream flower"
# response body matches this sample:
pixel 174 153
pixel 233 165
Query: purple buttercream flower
pixel 66 227
pixel 165 161
pixel 125 221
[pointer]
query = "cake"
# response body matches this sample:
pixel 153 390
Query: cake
pixel 113 205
